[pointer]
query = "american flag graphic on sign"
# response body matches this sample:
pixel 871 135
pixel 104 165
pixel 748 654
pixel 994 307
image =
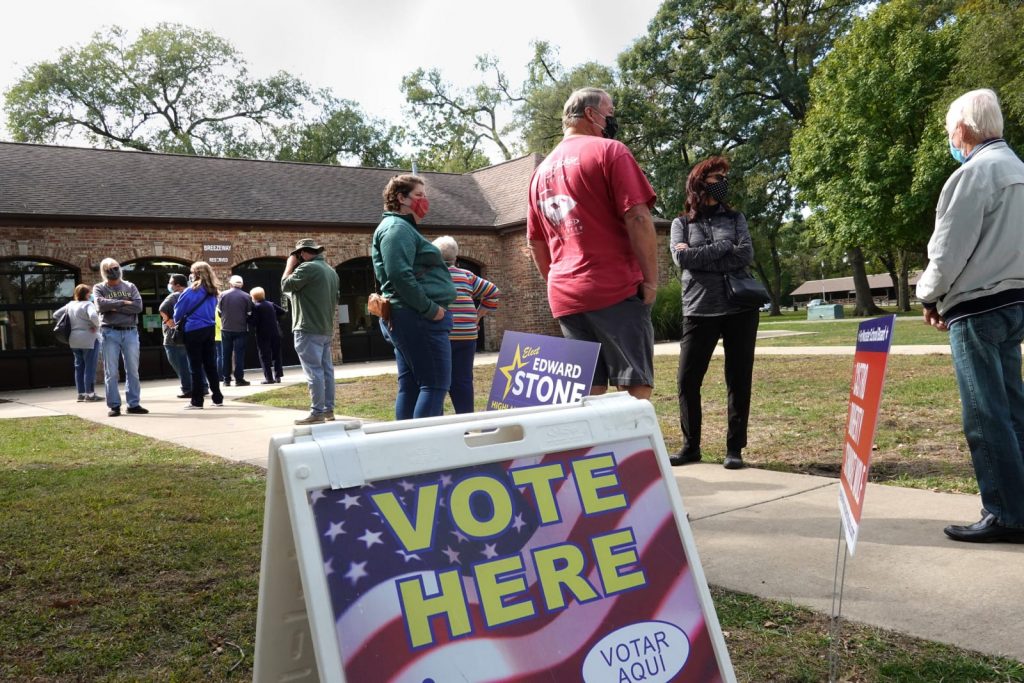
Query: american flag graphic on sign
pixel 616 523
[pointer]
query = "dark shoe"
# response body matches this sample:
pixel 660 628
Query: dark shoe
pixel 733 461
pixel 684 457
pixel 986 530
pixel 114 412
pixel 227 381
pixel 267 381
pixel 137 410
pixel 311 419
pixel 92 398
pixel 242 383
pixel 187 394
pixel 328 416
pixel 81 398
pixel 278 380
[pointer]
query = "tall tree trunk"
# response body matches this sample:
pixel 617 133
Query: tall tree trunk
pixel 865 305
pixel 903 293
pixel 890 260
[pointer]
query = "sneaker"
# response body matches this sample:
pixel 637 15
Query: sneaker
pixel 242 383
pixel 114 412
pixel 267 381
pixel 311 419
pixel 185 394
pixel 733 461
pixel 684 457
pixel 329 416
pixel 189 406
pixel 227 381
pixel 137 410
pixel 219 404
pixel 92 398
pixel 81 397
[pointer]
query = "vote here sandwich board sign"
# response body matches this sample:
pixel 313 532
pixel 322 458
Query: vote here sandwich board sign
pixel 533 544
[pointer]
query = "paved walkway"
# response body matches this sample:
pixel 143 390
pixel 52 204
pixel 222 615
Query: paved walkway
pixel 767 533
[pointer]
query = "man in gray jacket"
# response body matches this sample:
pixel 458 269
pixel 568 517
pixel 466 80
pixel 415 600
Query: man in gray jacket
pixel 119 304
pixel 974 287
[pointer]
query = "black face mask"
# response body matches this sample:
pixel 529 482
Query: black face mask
pixel 611 127
pixel 114 273
pixel 720 190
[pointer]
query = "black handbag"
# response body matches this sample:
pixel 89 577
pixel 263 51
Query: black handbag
pixel 743 289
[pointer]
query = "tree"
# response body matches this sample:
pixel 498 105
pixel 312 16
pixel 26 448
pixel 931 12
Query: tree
pixel 726 77
pixel 174 89
pixel 451 125
pixel 341 133
pixel 856 156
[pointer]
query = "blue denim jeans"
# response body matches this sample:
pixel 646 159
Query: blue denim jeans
pixel 85 368
pixel 314 351
pixel 461 390
pixel 177 356
pixel 119 344
pixel 234 344
pixel 987 360
pixel 424 358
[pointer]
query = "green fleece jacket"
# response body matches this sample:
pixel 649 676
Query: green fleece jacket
pixel 410 269
pixel 313 288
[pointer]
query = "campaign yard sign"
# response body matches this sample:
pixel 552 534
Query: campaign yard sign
pixel 874 338
pixel 446 552
pixel 535 369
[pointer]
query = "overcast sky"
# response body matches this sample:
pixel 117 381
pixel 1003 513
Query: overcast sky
pixel 358 48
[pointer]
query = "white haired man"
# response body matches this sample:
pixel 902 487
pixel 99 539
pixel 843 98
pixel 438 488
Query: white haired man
pixel 119 304
pixel 592 238
pixel 235 308
pixel 974 288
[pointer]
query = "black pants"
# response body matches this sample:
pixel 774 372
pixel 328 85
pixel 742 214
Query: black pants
pixel 270 356
pixel 700 335
pixel 202 357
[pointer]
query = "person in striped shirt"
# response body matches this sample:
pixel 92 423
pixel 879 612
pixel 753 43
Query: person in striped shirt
pixel 475 297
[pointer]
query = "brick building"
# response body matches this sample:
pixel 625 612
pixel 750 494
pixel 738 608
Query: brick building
pixel 64 209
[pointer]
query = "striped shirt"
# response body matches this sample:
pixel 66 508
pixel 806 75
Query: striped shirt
pixel 469 289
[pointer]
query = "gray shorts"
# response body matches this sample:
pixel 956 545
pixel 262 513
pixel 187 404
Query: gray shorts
pixel 626 335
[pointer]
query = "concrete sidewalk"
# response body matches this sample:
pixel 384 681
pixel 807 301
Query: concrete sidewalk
pixel 767 533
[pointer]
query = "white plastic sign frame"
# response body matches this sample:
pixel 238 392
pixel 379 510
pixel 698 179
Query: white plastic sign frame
pixel 297 638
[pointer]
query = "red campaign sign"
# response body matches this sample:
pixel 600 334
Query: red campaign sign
pixel 874 338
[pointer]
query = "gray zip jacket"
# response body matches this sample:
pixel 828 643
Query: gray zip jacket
pixel 977 249
pixel 718 243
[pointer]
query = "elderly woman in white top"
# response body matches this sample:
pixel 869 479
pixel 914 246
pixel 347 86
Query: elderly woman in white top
pixel 84 341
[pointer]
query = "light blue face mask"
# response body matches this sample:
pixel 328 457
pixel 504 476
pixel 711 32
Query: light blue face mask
pixel 170 288
pixel 957 154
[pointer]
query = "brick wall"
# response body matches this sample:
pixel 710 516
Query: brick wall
pixel 504 258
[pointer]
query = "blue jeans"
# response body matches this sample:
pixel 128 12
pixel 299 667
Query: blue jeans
pixel 461 390
pixel 424 358
pixel 987 360
pixel 218 354
pixel 121 344
pixel 177 356
pixel 314 352
pixel 234 353
pixel 85 368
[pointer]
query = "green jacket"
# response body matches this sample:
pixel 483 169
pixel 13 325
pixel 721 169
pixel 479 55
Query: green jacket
pixel 313 289
pixel 410 269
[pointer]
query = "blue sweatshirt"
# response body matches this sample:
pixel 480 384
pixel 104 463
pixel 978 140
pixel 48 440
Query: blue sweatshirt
pixel 203 316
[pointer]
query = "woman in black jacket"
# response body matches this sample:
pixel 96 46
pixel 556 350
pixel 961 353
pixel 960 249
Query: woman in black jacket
pixel 707 241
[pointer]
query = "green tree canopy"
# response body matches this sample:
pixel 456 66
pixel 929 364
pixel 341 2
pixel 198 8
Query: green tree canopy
pixel 339 133
pixel 172 89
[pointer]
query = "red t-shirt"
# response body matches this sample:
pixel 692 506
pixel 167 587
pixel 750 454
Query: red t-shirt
pixel 578 196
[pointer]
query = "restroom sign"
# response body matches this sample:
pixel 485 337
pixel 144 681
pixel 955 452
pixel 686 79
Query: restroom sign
pixel 545 544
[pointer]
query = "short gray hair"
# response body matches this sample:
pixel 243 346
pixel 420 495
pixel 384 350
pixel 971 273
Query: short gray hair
pixel 979 111
pixel 449 248
pixel 578 102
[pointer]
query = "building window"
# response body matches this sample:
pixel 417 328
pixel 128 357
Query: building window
pixel 151 276
pixel 30 291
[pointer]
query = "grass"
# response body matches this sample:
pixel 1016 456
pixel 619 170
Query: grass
pixel 909 331
pixel 797 415
pixel 128 559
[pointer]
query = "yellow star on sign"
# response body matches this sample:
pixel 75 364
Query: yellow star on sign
pixel 507 370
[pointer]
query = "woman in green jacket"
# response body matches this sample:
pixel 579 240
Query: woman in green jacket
pixel 414 278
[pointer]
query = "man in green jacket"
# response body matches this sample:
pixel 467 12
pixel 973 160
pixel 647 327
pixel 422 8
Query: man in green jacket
pixel 313 288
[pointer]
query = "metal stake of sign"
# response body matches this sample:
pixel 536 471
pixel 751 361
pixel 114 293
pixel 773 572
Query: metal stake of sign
pixel 835 620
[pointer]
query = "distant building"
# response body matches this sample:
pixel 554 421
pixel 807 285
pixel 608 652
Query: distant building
pixel 63 209
pixel 841 290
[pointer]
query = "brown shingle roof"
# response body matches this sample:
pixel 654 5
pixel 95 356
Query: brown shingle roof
pixel 71 182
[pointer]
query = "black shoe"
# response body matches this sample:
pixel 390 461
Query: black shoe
pixel 733 461
pixel 242 383
pixel 267 381
pixel 187 394
pixel 114 412
pixel 227 381
pixel 684 457
pixel 986 530
pixel 137 410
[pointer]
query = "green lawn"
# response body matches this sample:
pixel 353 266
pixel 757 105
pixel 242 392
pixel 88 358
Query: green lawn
pixel 908 331
pixel 128 559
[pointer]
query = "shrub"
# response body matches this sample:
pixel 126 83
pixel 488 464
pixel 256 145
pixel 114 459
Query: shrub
pixel 667 314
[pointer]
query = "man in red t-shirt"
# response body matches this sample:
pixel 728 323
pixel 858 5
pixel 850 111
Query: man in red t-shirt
pixel 592 237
